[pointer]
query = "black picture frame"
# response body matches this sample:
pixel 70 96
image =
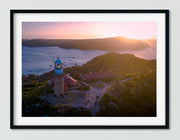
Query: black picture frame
pixel 13 126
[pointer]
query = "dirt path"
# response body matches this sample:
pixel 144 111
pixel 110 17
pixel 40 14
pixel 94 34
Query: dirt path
pixel 91 102
pixel 91 98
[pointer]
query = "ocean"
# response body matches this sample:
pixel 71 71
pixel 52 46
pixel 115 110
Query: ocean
pixel 38 60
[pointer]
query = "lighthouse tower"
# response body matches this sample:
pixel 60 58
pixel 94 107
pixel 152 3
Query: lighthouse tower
pixel 59 78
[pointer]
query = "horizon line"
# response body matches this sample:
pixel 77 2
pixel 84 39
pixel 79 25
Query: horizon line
pixel 87 38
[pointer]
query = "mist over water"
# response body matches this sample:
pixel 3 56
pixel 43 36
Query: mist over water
pixel 37 60
pixel 147 53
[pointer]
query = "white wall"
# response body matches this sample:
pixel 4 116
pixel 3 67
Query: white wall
pixel 174 131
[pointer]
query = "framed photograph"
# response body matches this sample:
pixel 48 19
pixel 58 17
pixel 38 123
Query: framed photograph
pixel 89 69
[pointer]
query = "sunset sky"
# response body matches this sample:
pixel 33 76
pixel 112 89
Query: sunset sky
pixel 86 30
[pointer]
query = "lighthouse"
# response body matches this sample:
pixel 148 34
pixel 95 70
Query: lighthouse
pixel 59 78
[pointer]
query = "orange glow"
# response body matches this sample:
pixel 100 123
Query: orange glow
pixel 84 30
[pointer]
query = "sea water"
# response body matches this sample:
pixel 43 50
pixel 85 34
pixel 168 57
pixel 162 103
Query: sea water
pixel 38 60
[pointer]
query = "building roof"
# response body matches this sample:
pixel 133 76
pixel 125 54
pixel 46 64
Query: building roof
pixel 69 80
pixel 58 60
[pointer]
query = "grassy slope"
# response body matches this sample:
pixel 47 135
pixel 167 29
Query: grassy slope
pixel 135 97
pixel 125 63
pixel 115 62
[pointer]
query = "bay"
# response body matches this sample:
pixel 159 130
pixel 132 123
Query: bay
pixel 38 60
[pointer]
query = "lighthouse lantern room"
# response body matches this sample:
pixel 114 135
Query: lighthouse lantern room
pixel 58 66
pixel 59 78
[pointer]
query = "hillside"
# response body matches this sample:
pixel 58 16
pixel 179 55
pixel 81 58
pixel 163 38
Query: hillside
pixel 108 44
pixel 151 42
pixel 135 97
pixel 115 62
pixel 131 93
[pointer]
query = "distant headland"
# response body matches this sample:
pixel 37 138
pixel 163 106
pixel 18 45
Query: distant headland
pixel 107 44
